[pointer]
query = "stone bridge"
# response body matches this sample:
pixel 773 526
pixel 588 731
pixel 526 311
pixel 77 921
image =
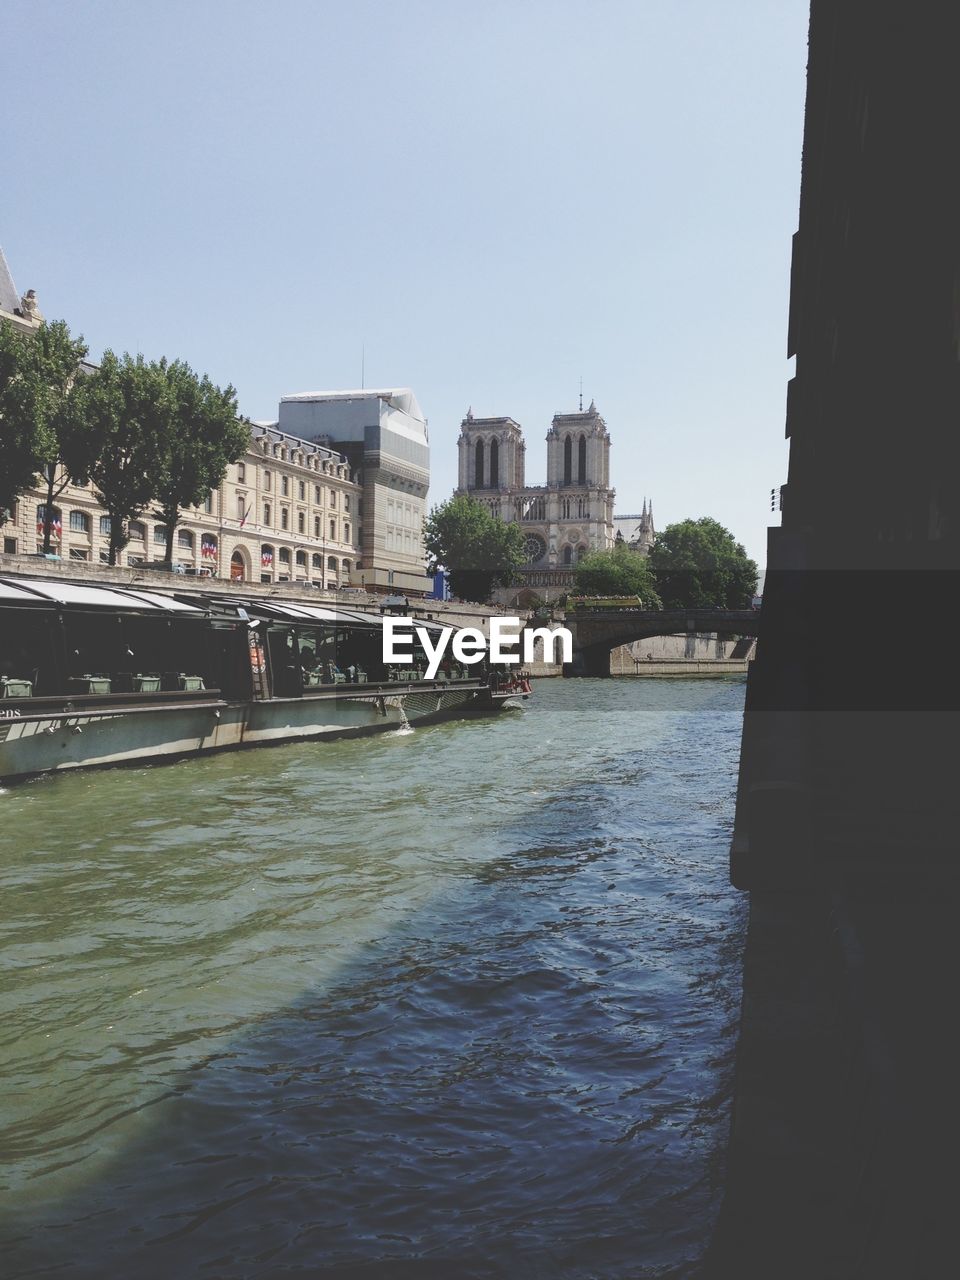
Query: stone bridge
pixel 596 632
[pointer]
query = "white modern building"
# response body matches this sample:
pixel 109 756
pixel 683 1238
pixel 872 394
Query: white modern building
pixel 383 434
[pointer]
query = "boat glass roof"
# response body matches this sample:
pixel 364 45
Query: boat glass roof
pixel 57 592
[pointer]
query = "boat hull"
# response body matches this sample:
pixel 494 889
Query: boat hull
pixel 50 742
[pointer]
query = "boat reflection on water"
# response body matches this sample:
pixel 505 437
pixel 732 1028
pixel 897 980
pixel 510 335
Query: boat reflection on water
pixel 93 676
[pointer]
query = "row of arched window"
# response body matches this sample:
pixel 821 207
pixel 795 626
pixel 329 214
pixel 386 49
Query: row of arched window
pixel 487 463
pixel 572 553
pixel 493 470
pixel 581 460
pixel 283 557
pixel 80 522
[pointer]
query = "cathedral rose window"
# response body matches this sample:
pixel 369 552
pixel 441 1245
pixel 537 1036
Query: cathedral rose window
pixel 535 548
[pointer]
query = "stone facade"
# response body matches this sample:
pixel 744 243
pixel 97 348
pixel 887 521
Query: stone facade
pixel 288 511
pixel 565 518
pixel 19 310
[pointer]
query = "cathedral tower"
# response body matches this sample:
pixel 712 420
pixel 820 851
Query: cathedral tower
pixel 578 451
pixel 491 454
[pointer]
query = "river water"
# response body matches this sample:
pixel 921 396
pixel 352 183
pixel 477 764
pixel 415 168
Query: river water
pixel 455 1002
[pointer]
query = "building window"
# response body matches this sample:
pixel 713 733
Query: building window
pixel 79 522
pixel 333 499
pixel 301 522
pixel 568 555
pixel 346 533
pixel 316 495
pixel 266 480
pixel 333 530
pixel 242 472
pixel 208 503
pixel 302 490
pixel 136 532
pixel 266 559
pixel 79 553
pixel 317 562
pixel 285 555
pixel 301 559
pixel 582 460
pixel 478 468
pixel 332 563
pixel 494 465
pixel 284 518
pixel 105 526
pixel 185 539
pixel 9 546
pixel 241 506
pixel 266 513
pixel 134 560
pixel 316 526
pixel 568 461
pixel 346 502
pixel 160 533
pixel 285 485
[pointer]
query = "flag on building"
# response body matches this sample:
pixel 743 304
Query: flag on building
pixel 56 524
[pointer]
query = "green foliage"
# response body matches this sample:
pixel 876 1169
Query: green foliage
pixel 698 564
pixel 618 572
pixel 202 433
pixel 120 413
pixel 477 549
pixel 38 372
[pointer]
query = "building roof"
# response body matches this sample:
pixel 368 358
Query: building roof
pixel 633 527
pixel 401 398
pixel 9 298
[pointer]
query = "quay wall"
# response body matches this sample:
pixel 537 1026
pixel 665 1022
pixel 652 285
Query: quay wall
pixel 682 655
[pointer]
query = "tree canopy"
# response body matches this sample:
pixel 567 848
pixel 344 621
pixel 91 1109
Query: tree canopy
pixel 699 564
pixel 477 549
pixel 202 432
pixel 618 572
pixel 121 411
pixel 37 375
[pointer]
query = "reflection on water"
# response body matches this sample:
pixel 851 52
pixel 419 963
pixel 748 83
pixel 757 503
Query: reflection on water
pixel 454 1002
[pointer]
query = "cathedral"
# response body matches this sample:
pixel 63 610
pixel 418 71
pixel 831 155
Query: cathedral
pixel 565 518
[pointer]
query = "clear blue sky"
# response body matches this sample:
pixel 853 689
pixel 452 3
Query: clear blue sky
pixel 492 199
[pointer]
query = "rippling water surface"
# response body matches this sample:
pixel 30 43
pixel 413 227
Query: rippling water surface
pixel 452 1003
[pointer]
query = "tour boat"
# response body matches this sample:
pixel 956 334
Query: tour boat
pixel 101 675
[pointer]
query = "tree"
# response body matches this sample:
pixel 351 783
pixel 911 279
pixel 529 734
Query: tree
pixel 37 375
pixel 203 432
pixel 618 572
pixel 698 564
pixel 119 413
pixel 477 549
